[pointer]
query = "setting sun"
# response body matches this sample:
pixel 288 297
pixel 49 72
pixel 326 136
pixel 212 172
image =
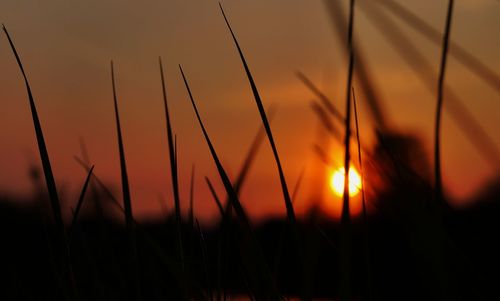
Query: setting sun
pixel 337 181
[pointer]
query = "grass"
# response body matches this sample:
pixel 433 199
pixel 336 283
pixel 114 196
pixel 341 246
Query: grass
pixel 63 250
pixel 133 281
pixel 439 105
pixel 288 202
pixel 172 154
pixel 263 284
pixel 239 253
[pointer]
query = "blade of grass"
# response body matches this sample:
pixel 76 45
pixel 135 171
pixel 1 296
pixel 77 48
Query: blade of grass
pixel 264 282
pixel 440 92
pixel 339 21
pixel 321 96
pixel 80 202
pixel 248 162
pixel 288 202
pixel 172 151
pixel 369 281
pixel 214 195
pixel 170 263
pixel 127 203
pixel 49 177
pixel 42 148
pixel 345 253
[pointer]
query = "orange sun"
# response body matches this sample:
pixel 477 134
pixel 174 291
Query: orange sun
pixel 337 181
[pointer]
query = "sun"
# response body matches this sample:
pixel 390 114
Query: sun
pixel 337 181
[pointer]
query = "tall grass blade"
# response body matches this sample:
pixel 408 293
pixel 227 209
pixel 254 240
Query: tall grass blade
pixel 172 152
pixel 345 253
pixel 440 92
pixel 248 162
pixel 42 148
pixel 288 202
pixel 339 22
pixel 363 203
pixel 63 249
pixel 127 203
pixel 264 281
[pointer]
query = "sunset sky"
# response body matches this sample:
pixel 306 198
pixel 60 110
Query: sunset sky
pixel 66 47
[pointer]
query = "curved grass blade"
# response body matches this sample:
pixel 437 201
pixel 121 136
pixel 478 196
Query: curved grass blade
pixel 216 198
pixel 440 93
pixel 377 111
pixel 80 202
pixel 363 203
pixel 322 97
pixel 172 152
pixel 288 202
pixel 127 203
pixel 248 162
pixel 63 247
pixel 264 283
pixel 42 148
pixel 345 222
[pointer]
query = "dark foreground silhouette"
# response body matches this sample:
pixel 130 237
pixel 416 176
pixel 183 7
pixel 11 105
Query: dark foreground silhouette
pixel 401 252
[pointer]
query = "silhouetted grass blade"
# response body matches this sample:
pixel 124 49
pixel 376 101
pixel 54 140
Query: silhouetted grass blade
pixel 64 255
pixel 440 94
pixel 263 283
pixel 260 106
pixel 172 152
pixel 42 148
pixel 127 203
pixel 214 195
pixel 80 201
pixel 322 97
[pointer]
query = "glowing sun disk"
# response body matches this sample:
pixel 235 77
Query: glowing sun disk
pixel 337 181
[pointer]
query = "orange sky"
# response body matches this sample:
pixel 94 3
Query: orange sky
pixel 66 48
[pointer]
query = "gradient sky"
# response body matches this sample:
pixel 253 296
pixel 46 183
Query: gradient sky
pixel 66 47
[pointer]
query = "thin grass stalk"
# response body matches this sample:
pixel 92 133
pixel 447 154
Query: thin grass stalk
pixel 321 96
pixel 42 148
pixel 339 21
pixel 440 92
pixel 345 254
pixel 172 152
pixel 214 195
pixel 170 263
pixel 265 281
pixel 204 257
pixel 363 200
pixel 247 163
pixel 48 174
pixel 127 203
pixel 224 177
pixel 288 202
pixel 80 202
